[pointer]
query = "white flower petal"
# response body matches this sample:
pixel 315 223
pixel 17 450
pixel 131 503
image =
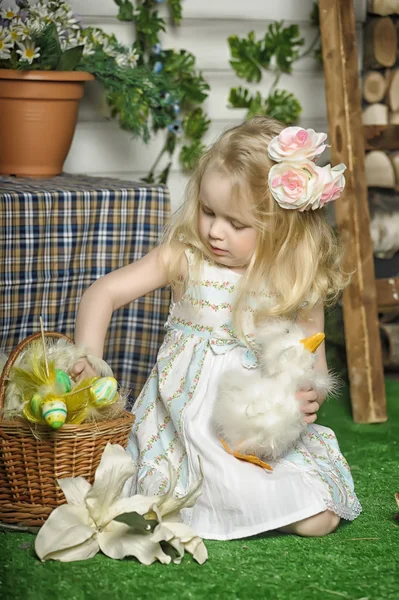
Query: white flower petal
pixel 115 468
pixel 67 535
pixel 139 504
pixel 197 548
pixel 180 535
pixel 179 547
pixel 191 541
pixel 180 530
pixel 170 505
pixel 161 533
pixel 75 489
pixel 117 540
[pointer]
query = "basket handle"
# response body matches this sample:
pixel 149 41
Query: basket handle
pixel 14 355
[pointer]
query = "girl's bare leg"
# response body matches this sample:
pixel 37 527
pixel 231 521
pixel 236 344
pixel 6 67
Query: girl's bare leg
pixel 318 525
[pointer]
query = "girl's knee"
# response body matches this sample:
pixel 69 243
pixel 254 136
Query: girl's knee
pixel 316 526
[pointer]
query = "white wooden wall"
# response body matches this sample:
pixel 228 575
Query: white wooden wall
pixel 100 147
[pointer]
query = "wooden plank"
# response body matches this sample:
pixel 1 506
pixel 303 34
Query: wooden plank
pixel 307 87
pixel 381 137
pixel 104 146
pixel 289 10
pixel 207 40
pixel 363 343
pixel 387 294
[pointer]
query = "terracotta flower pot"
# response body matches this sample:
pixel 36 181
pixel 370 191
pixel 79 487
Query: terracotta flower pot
pixel 38 112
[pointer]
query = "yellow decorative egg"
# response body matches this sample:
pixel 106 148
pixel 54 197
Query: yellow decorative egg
pixel 36 406
pixel 104 391
pixel 63 381
pixel 54 413
pixel 32 410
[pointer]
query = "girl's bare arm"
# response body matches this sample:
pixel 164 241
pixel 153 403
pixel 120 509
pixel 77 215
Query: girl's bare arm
pixel 313 322
pixel 112 291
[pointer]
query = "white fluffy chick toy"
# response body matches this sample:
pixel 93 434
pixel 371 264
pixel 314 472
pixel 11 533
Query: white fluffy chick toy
pixel 257 415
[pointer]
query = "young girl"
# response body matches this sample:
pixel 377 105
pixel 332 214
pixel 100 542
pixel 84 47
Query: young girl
pixel 250 242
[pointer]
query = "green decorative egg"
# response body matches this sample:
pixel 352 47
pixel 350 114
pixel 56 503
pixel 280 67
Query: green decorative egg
pixel 104 391
pixel 54 413
pixel 36 405
pixel 63 380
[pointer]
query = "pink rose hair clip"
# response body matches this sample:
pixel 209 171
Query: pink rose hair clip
pixel 296 182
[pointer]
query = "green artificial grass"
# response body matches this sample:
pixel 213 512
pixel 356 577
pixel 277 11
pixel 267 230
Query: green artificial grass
pixel 359 561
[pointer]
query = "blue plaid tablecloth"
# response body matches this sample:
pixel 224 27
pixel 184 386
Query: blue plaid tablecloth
pixel 59 235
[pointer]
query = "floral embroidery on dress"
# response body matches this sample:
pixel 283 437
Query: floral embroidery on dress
pixel 199 332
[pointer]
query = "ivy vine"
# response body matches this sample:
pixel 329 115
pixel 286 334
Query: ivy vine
pixel 276 52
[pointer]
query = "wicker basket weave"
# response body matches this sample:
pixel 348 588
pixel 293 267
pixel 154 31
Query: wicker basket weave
pixel 32 457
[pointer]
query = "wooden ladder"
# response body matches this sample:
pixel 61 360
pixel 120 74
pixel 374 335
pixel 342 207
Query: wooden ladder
pixel 349 139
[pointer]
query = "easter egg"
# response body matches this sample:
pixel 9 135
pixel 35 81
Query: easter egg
pixel 104 391
pixel 63 381
pixel 32 410
pixel 36 405
pixel 54 413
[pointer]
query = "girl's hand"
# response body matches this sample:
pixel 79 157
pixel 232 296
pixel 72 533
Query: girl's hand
pixel 309 400
pixel 81 370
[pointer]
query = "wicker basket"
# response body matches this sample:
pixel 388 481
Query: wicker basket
pixel 32 457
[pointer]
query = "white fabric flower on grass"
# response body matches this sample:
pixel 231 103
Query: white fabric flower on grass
pixel 98 518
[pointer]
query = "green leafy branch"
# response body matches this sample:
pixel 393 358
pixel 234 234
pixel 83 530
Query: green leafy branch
pixel 185 87
pixel 276 53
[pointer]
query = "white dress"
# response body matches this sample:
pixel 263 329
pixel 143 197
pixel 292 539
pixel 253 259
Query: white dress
pixel 174 423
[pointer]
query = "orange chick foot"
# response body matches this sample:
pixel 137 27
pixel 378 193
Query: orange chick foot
pixel 246 457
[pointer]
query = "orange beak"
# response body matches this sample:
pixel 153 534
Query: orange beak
pixel 312 342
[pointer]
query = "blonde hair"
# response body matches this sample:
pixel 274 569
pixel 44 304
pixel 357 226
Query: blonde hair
pixel 297 256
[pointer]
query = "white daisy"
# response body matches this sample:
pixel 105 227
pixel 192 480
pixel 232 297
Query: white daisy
pixel 5 36
pixel 61 31
pixel 9 13
pixel 5 45
pixel 63 9
pixel 69 42
pixel 28 52
pixel 110 49
pixel 34 26
pixel 40 12
pixel 88 49
pixel 122 60
pixel 133 58
pixel 23 30
pixel 16 34
pixel 99 37
pixel 67 17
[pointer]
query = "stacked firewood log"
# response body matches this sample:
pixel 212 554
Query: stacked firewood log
pixel 380 90
pixel 381 86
